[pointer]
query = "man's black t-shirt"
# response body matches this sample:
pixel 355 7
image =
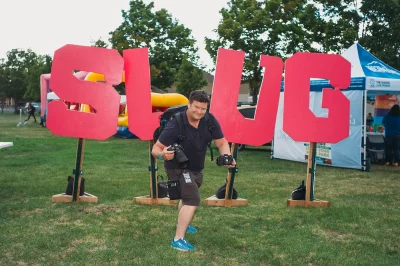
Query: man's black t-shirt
pixel 195 143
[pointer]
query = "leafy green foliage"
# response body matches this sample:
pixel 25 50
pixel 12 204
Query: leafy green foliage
pixel 41 66
pixel 100 43
pixel 374 24
pixel 341 24
pixel 189 78
pixel 277 28
pixel 281 28
pixel 381 30
pixel 20 74
pixel 168 41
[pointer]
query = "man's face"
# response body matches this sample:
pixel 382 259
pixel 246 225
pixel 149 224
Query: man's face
pixel 197 110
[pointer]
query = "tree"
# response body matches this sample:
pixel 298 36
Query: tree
pixel 272 27
pixel 189 78
pixel 167 40
pixel 40 66
pixel 340 26
pixel 3 86
pixel 373 24
pixel 14 73
pixel 381 28
pixel 100 43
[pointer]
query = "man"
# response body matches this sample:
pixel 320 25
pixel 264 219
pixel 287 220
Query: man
pixel 370 121
pixel 195 143
pixel 31 112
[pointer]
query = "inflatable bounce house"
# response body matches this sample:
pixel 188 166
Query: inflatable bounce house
pixel 160 102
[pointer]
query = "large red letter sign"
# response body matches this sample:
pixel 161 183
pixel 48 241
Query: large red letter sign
pixel 142 121
pixel 225 92
pixel 102 97
pixel 299 122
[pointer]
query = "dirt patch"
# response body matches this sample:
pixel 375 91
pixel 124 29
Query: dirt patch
pixel 100 209
pixel 99 248
pixel 118 220
pixel 26 213
pixel 333 235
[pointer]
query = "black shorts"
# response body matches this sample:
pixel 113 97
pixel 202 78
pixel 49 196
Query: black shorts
pixel 190 193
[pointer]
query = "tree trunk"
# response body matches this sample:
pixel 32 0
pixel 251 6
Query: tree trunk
pixel 255 96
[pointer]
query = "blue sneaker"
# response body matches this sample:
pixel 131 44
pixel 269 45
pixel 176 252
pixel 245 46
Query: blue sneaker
pixel 191 229
pixel 182 245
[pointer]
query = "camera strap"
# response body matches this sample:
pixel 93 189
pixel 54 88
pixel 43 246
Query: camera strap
pixel 179 122
pixel 209 120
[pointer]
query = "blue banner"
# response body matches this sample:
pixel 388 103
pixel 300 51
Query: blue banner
pixel 319 84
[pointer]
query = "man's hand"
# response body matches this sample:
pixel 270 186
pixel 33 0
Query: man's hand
pixel 231 165
pixel 166 154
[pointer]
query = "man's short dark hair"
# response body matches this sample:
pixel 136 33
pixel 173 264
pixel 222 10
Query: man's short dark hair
pixel 200 96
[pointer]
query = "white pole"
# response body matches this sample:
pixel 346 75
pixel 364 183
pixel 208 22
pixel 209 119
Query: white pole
pixel 365 128
pixel 20 118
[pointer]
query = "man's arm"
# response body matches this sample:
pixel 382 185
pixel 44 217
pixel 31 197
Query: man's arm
pixel 160 151
pixel 223 148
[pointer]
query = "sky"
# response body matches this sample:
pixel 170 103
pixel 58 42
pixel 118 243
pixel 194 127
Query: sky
pixel 46 25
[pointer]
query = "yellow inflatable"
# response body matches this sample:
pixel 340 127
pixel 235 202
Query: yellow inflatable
pixel 159 101
pixel 123 118
pixel 167 99
pixel 92 76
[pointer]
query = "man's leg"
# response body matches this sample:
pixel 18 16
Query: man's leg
pixel 187 206
pixel 185 216
pixel 180 205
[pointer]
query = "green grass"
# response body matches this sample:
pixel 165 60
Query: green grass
pixel 360 228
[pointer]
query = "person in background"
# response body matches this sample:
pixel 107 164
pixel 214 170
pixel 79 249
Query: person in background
pixel 392 135
pixel 31 112
pixel 370 121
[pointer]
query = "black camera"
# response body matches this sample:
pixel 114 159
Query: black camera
pixel 224 160
pixel 180 156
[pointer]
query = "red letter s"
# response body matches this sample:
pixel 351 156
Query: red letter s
pixel 102 97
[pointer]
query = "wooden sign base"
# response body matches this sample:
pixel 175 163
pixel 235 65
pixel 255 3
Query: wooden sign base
pixel 153 198
pixel 68 198
pixel 303 203
pixel 310 201
pixel 214 201
pixel 157 201
pixel 77 182
pixel 228 201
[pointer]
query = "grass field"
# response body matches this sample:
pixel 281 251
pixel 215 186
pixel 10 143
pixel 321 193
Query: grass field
pixel 360 228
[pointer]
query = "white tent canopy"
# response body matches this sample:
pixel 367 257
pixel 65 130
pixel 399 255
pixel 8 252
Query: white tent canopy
pixel 369 76
pixel 379 77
